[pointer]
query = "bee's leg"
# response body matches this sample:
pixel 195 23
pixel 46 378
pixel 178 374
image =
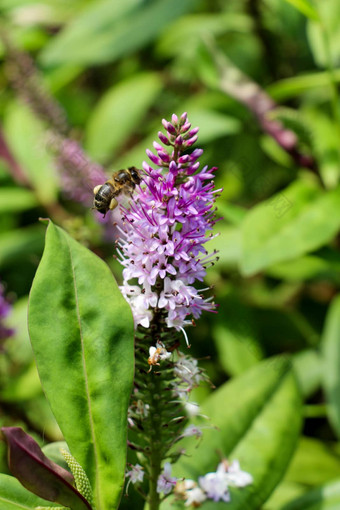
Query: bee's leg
pixel 130 190
pixel 113 204
pixel 96 189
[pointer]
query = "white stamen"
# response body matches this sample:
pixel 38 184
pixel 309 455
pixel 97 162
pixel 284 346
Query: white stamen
pixel 185 336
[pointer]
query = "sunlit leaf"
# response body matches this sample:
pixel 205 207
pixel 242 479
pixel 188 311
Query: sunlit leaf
pixel 81 330
pixel 257 415
pixel 289 224
pixel 115 29
pixel 305 8
pixel 26 137
pixel 119 113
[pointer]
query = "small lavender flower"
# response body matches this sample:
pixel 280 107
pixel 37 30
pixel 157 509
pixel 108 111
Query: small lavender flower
pixel 5 310
pixel 192 430
pixel 195 497
pixel 236 477
pixel 215 485
pixel 135 474
pixel 165 231
pixel 166 482
pixel 188 375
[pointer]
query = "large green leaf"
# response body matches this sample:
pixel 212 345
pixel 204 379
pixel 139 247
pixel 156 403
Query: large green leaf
pixel 331 363
pixel 115 29
pixel 81 330
pixel 258 416
pixel 13 496
pixel 119 113
pixel 300 219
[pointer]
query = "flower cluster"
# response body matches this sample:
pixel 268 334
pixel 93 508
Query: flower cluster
pixel 213 485
pixel 5 309
pixel 165 230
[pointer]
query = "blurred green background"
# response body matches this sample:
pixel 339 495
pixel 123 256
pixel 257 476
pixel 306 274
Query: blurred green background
pixel 260 79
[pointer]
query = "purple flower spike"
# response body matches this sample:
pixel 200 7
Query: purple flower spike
pixel 164 235
pixel 5 310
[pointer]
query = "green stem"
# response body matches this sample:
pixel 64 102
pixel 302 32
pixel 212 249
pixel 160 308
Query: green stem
pixel 154 389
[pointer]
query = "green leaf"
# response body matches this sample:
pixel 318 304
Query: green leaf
pixel 212 124
pixel 305 8
pixel 53 452
pixel 331 363
pixel 81 330
pixel 237 351
pixel 228 245
pixel 296 85
pixel 325 266
pixel 16 200
pixel 323 37
pixel 258 414
pixel 325 145
pixel 188 31
pixel 304 470
pixel 13 496
pixel 307 369
pixel 326 497
pixel 235 337
pixel 119 113
pixel 115 29
pixel 26 137
pixel 18 244
pixel 289 224
pixel 23 387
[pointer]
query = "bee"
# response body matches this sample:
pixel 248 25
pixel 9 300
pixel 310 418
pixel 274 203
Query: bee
pixel 122 181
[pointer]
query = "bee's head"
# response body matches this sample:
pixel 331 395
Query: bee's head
pixel 134 174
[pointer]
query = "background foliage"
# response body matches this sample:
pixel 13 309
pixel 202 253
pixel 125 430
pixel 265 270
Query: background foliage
pixel 117 69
